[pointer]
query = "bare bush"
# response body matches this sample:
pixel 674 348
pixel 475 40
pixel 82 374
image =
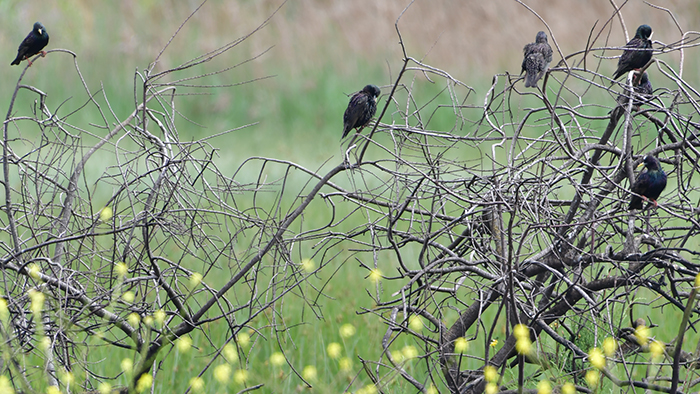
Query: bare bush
pixel 519 215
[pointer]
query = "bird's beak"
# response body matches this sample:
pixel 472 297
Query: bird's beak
pixel 640 165
pixel 40 31
pixel 649 38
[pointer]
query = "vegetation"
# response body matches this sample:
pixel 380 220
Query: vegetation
pixel 193 230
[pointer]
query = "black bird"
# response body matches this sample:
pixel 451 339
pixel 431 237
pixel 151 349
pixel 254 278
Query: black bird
pixel 639 53
pixel 35 41
pixel 361 108
pixel 537 57
pixel 644 93
pixel 649 184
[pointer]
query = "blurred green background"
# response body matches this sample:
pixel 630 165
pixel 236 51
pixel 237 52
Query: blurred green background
pixel 319 51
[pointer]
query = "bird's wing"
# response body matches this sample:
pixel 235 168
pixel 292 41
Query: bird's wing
pixel 354 112
pixel 547 52
pixel 642 183
pixel 28 42
pixel 535 66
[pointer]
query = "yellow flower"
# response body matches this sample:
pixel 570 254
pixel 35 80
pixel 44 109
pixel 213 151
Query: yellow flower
pixel 609 346
pixel 490 373
pixel 494 343
pixel 104 388
pixel 231 353
pixel 345 364
pixel 121 268
pixel 4 311
pixel 277 359
pixel 159 315
pixel 127 365
pixel 409 352
pixel 347 330
pixel 642 334
pixel 309 373
pixel 596 358
pixel 333 349
pixel 195 279
pixel 53 390
pixel 369 389
pixel 222 373
pixel 240 376
pixel 415 322
pixel 106 214
pixel 544 387
pixel 657 349
pixel 183 344
pixel 34 271
pixel 521 331
pixel 523 345
pixel 68 378
pixel 243 339
pixel 308 265
pixel 144 382
pixel 375 275
pixel 568 388
pixel 128 296
pixel 461 345
pixel 134 319
pixel 5 386
pixel 149 320
pixel 592 377
pixel 45 343
pixel 197 384
pixel 37 299
pixel 432 390
pixel 491 388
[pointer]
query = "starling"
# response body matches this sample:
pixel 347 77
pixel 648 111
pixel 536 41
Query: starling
pixel 644 93
pixel 361 109
pixel 537 57
pixel 639 53
pixel 35 41
pixel 649 184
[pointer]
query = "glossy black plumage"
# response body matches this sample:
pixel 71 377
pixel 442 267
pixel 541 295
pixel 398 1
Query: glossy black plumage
pixel 635 57
pixel 35 41
pixel 536 59
pixel 649 183
pixel 644 92
pixel 361 108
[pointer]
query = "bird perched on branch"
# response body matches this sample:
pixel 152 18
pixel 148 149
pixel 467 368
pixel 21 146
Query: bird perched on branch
pixel 649 184
pixel 361 108
pixel 537 57
pixel 644 93
pixel 638 54
pixel 35 41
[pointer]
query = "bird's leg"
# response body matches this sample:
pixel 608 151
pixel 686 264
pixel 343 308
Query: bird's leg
pixel 43 53
pixel 637 77
pixel 29 61
pixel 655 204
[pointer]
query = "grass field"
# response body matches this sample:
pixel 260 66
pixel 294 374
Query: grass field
pixel 320 52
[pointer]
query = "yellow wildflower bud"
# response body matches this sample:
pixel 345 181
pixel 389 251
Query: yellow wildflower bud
pixel 461 345
pixel 596 358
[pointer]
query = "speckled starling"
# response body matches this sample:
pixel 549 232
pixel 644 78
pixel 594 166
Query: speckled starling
pixel 361 108
pixel 639 53
pixel 649 184
pixel 644 93
pixel 537 57
pixel 35 41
